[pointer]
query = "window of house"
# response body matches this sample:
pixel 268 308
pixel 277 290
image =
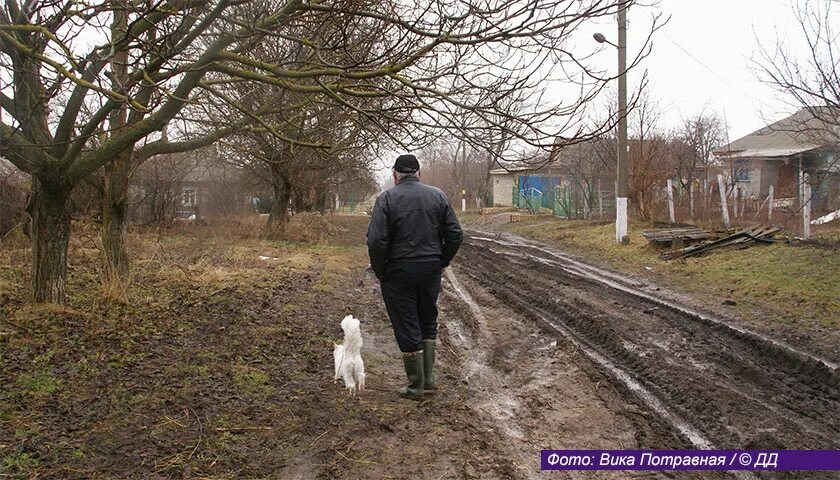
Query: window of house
pixel 188 197
pixel 741 170
pixel 832 162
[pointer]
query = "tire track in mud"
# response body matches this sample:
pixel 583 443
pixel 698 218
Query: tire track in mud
pixel 537 392
pixel 721 386
pixel 533 391
pixel 501 405
pixel 613 280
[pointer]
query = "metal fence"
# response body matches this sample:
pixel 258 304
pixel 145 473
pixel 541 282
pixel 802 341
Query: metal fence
pixel 563 196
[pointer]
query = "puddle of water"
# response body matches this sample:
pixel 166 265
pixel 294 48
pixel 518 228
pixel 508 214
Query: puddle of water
pixel 498 405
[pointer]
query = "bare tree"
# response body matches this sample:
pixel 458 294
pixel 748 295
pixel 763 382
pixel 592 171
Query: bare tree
pixel 590 169
pixel 127 87
pixel 312 147
pixel 650 160
pixel 158 187
pixel 153 59
pixel 692 148
pixel 454 167
pixel 811 80
pixel 803 69
pixel 13 186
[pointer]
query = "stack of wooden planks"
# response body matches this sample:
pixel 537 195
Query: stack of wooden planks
pixel 687 233
pixel 743 238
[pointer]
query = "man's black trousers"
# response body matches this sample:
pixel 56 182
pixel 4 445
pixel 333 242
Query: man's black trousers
pixel 410 291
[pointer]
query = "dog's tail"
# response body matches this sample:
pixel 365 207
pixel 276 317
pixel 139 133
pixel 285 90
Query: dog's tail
pixel 352 335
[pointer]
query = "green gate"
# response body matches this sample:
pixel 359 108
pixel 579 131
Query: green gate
pixel 563 201
pixel 531 200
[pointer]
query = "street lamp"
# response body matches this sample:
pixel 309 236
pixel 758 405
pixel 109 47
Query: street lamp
pixel 621 189
pixel 600 38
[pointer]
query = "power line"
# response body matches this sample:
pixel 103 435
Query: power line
pixel 713 72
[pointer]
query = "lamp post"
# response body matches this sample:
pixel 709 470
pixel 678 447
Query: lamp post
pixel 621 188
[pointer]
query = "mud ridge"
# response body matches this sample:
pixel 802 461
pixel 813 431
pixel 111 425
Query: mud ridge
pixel 830 369
pixel 735 388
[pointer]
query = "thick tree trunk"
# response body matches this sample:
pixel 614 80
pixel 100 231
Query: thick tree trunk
pixel 321 200
pixel 279 216
pixel 297 202
pixel 310 200
pixel 114 211
pixel 50 213
pixel 116 177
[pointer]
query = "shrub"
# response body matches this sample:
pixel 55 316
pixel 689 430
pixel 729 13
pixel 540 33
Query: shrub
pixel 13 188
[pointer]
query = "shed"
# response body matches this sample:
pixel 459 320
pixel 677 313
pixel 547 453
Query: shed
pixel 505 182
pixel 567 183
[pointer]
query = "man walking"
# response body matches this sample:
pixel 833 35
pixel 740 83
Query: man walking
pixel 412 237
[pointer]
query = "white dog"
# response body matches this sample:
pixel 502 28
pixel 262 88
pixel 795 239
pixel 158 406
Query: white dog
pixel 348 356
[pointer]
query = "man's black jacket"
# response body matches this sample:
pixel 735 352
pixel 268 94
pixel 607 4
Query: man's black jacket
pixel 412 222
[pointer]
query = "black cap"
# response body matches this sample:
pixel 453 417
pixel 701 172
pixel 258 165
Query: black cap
pixel 406 164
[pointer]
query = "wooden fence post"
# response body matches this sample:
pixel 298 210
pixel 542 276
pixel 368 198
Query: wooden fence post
pixel 600 201
pixel 671 201
pixel 736 193
pixel 691 200
pixel 724 208
pixel 806 206
pixel 770 204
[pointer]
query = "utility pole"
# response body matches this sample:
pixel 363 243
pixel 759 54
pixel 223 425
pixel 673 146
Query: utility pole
pixel 621 157
pixel 621 191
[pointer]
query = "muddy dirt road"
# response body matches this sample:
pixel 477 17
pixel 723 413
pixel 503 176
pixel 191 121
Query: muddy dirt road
pixel 675 377
pixel 232 376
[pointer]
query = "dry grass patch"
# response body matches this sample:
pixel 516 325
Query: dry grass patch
pixel 173 380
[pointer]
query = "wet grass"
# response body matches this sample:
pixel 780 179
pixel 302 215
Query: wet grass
pixel 466 217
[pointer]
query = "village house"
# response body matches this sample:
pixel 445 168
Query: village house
pixel 572 183
pixel 805 145
pixel 188 186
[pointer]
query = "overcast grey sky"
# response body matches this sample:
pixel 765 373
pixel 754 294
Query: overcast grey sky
pixel 702 57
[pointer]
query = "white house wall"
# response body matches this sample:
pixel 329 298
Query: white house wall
pixel 752 188
pixel 503 190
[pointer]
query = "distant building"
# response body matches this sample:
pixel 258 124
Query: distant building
pixel 780 154
pixel 506 182
pixel 196 187
pixel 572 183
pixel 189 185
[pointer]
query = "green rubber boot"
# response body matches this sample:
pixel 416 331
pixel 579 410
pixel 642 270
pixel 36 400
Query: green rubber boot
pixel 429 365
pixel 413 363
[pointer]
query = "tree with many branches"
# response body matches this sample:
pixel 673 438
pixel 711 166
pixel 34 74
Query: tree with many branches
pixel 803 69
pixel 84 87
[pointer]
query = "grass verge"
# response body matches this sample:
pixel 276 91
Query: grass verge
pixel 212 368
